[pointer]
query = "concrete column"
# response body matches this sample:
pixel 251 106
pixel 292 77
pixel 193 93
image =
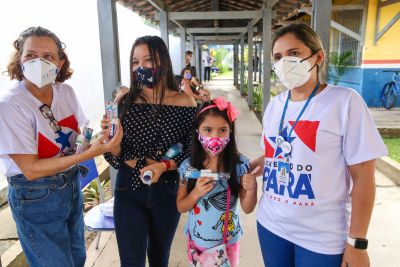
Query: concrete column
pixel 255 63
pixel 242 64
pixel 260 60
pixel 250 67
pixel 191 44
pixel 267 26
pixel 164 27
pixel 108 32
pixel 321 23
pixel 197 55
pixel 183 46
pixel 235 64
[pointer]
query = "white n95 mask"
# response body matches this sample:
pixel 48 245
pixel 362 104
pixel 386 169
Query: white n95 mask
pixel 293 71
pixel 40 71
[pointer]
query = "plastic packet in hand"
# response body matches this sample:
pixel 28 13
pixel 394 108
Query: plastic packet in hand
pixel 193 173
pixel 83 140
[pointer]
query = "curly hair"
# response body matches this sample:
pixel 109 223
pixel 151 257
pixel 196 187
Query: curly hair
pixel 14 69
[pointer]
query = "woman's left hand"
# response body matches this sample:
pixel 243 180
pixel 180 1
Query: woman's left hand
pixel 157 168
pixel 354 257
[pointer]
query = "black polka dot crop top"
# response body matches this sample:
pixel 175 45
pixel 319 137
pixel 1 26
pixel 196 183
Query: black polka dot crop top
pixel 149 131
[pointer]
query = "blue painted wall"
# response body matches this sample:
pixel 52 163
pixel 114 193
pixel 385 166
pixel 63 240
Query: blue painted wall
pixel 367 82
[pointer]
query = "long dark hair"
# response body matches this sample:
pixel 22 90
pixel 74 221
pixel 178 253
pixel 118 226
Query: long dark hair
pixel 160 57
pixel 228 159
pixel 14 66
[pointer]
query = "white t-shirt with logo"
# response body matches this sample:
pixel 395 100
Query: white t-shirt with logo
pixel 335 131
pixel 24 129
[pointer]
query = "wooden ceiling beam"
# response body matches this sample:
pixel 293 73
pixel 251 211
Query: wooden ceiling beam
pixel 184 7
pixel 204 7
pixel 232 7
pixel 240 4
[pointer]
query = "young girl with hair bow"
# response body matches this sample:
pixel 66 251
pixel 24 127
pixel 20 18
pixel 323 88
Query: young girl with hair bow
pixel 210 197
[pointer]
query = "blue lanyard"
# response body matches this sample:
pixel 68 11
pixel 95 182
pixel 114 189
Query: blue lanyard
pixel 301 112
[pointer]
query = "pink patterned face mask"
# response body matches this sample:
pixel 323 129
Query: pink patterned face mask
pixel 213 144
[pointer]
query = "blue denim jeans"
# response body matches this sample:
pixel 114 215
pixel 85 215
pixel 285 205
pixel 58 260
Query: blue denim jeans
pixel 145 220
pixel 49 216
pixel 279 252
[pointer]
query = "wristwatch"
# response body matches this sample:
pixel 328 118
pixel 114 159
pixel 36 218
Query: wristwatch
pixel 359 243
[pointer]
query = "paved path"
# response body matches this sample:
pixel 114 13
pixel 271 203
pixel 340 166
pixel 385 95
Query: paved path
pixel 386 118
pixel 384 231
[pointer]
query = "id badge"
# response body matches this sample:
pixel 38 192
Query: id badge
pixel 283 172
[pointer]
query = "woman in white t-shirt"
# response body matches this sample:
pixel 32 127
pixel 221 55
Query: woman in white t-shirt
pixel 40 119
pixel 320 146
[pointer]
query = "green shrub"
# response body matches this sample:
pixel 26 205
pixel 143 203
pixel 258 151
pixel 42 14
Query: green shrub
pixel 91 193
pixel 340 63
pixel 258 98
pixel 245 89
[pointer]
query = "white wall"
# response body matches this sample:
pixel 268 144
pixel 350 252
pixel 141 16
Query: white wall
pixel 75 22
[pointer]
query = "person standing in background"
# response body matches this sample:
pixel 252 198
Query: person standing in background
pixel 207 62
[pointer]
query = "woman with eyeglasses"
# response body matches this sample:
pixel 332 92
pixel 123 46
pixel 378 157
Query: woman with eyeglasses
pixel 320 144
pixel 155 116
pixel 40 119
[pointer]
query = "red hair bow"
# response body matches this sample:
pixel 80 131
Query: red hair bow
pixel 222 105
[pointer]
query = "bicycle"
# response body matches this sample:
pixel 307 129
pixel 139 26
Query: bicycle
pixel 391 90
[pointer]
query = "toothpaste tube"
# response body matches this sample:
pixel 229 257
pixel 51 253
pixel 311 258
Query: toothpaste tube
pixel 112 114
pixel 146 178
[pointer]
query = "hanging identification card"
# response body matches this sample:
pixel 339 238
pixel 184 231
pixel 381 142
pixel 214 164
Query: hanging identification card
pixel 283 172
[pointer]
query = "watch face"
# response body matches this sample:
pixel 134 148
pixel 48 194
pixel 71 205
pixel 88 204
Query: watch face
pixel 361 243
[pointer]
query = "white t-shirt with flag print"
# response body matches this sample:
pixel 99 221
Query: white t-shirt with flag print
pixel 24 129
pixel 335 131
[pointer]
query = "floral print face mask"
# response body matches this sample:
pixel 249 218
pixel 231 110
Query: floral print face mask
pixel 148 77
pixel 214 145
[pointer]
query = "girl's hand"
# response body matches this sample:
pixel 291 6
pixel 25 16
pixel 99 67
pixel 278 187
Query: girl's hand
pixel 203 186
pixel 249 182
pixel 157 168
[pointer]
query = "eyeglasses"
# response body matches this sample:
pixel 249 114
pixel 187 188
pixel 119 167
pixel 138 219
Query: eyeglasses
pixel 48 114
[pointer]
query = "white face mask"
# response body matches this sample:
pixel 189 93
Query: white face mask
pixel 40 71
pixel 293 71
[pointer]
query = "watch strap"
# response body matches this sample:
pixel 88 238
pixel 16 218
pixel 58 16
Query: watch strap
pixel 359 243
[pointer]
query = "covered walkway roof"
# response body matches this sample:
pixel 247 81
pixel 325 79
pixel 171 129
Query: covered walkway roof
pixel 235 22
pixel 234 18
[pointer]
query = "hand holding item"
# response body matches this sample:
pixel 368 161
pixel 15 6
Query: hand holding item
pixel 203 186
pixel 249 182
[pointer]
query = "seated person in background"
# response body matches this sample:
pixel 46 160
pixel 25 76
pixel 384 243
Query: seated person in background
pixel 188 58
pixel 189 87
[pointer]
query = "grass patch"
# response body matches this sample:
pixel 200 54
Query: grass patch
pixel 227 74
pixel 393 146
